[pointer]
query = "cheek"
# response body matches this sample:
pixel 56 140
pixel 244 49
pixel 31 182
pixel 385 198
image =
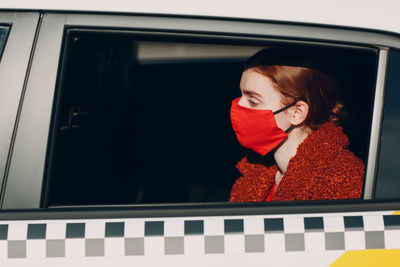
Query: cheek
pixel 283 120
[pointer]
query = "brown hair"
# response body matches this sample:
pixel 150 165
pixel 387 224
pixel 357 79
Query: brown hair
pixel 314 87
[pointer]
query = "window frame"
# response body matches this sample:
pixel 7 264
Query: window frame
pixel 14 65
pixel 49 51
pixel 381 166
pixel 316 208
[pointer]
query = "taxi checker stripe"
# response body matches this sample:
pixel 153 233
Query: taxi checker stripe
pixel 175 236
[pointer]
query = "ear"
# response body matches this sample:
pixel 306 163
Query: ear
pixel 299 113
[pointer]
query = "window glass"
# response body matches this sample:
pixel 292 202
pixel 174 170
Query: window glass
pixel 3 38
pixel 388 179
pixel 145 119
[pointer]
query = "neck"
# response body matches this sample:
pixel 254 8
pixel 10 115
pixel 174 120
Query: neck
pixel 288 149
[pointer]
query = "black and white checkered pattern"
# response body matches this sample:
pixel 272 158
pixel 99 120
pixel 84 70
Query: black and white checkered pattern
pixel 211 235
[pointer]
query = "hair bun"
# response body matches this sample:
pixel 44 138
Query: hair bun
pixel 337 113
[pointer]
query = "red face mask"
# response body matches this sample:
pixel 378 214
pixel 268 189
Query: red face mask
pixel 256 129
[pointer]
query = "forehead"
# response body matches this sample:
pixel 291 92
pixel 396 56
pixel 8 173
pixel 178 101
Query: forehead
pixel 253 81
pixel 261 87
pixel 253 76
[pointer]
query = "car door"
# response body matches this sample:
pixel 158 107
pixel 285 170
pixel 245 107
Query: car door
pixel 39 226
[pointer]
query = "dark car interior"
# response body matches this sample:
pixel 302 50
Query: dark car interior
pixel 130 131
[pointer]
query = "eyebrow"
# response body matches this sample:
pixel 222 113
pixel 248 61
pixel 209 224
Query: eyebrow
pixel 249 92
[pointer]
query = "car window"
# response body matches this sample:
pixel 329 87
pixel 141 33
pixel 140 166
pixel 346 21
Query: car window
pixel 145 119
pixel 388 182
pixel 3 37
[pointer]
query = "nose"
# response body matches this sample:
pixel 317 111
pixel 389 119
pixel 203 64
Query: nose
pixel 242 102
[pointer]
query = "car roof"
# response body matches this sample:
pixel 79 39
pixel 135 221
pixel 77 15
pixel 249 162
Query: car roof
pixel 378 15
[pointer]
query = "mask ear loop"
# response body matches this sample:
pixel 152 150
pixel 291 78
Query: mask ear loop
pixel 288 129
pixel 283 109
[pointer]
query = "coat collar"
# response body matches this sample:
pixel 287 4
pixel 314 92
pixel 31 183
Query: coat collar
pixel 320 146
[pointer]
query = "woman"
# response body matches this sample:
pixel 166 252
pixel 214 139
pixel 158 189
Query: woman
pixel 288 115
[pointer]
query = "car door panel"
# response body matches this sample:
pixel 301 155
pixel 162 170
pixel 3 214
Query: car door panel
pixel 316 239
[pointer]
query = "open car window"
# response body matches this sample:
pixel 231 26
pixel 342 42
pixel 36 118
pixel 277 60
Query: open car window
pixel 145 119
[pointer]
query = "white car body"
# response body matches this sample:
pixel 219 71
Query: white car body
pixel 234 235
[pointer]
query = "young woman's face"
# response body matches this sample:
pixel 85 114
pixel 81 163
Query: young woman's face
pixel 258 93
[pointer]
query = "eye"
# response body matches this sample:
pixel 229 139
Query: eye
pixel 253 101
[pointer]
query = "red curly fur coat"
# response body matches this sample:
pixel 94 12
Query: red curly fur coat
pixel 323 168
